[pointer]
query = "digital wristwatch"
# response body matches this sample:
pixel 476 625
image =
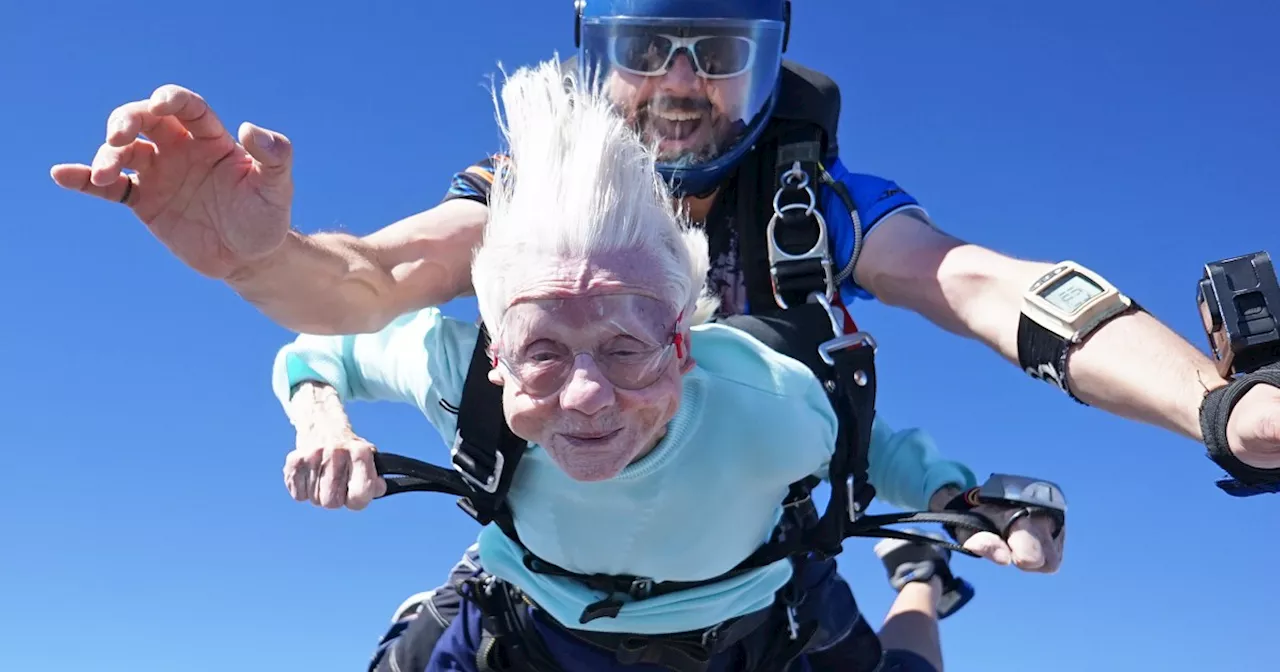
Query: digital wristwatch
pixel 1237 299
pixel 1060 309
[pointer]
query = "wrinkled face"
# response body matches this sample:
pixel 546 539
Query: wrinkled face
pixel 587 357
pixel 686 93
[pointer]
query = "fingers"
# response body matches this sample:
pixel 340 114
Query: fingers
pixel 297 473
pixel 1033 545
pixel 189 109
pixel 365 484
pixel 272 150
pixel 335 471
pixel 76 177
pixel 334 477
pixel 127 122
pixel 104 178
pixel 109 161
pixel 989 546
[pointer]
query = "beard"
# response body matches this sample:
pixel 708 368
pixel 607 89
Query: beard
pixel 684 129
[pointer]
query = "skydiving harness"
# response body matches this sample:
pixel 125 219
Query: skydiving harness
pixel 793 287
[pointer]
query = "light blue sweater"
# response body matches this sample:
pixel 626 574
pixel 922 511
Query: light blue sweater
pixel 750 423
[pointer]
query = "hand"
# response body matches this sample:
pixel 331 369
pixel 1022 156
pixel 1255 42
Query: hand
pixel 218 205
pixel 1253 430
pixel 1030 546
pixel 333 471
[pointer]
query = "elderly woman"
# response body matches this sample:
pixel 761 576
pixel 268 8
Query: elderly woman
pixel 658 446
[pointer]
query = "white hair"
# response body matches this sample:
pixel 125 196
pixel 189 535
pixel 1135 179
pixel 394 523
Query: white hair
pixel 578 182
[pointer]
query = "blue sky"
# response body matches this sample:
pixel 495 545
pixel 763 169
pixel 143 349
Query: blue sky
pixel 147 526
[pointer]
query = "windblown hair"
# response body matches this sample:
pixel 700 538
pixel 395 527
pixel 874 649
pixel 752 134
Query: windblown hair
pixel 577 182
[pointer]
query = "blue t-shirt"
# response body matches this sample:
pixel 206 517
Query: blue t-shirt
pixel 751 422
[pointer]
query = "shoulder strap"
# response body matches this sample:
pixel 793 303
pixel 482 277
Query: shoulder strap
pixel 485 451
pixel 812 98
pixel 786 252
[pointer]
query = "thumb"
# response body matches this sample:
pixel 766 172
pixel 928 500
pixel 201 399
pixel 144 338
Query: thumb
pixel 989 546
pixel 271 149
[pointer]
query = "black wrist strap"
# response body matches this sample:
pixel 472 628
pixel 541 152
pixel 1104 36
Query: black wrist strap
pixel 1043 354
pixel 1215 411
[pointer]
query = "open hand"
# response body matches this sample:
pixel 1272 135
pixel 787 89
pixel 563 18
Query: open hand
pixel 217 204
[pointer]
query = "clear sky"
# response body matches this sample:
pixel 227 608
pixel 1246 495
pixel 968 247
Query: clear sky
pixel 147 526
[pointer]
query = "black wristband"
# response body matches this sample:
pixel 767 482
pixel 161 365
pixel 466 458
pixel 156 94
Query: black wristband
pixel 1043 354
pixel 1215 411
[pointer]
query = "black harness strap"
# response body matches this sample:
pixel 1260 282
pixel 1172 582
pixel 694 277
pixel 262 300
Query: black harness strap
pixel 485 452
pixel 509 641
pixel 785 251
pixel 681 652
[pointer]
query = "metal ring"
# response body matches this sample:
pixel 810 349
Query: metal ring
pixel 779 209
pixel 789 176
pixel 128 190
pixel 819 248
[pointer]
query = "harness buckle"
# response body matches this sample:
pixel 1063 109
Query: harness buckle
pixel 609 607
pixel 855 507
pixel 471 469
pixel 793 628
pixel 856 339
pixel 836 315
pixel 641 588
pixel 796 179
pixel 798 512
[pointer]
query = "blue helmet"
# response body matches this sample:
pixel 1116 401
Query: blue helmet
pixel 696 78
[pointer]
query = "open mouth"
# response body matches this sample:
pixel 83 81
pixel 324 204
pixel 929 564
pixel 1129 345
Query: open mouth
pixel 675 125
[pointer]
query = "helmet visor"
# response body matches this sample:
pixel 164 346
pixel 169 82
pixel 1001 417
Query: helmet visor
pixel 694 88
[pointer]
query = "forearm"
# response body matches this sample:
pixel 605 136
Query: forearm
pixel 1138 368
pixel 317 413
pixel 906 467
pixel 335 283
pixel 329 283
pixel 1132 366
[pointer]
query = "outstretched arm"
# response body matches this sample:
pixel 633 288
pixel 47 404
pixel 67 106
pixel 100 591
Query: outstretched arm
pixel 419 358
pixel 336 283
pixel 223 205
pixel 1132 366
pixel 908 471
pixel 358 285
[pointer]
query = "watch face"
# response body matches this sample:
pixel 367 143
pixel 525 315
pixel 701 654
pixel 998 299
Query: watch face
pixel 1071 293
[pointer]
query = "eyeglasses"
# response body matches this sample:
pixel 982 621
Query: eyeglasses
pixel 544 368
pixel 713 56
